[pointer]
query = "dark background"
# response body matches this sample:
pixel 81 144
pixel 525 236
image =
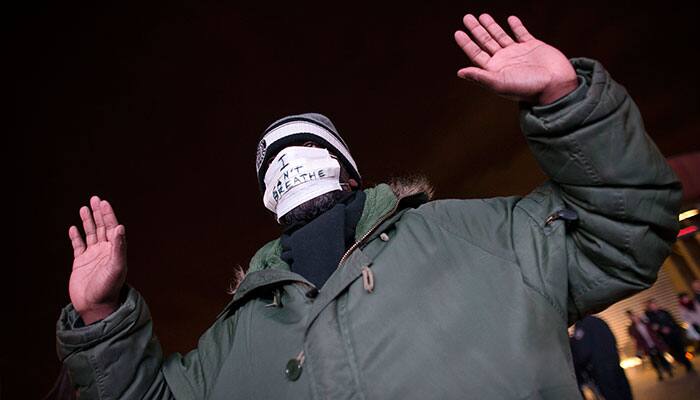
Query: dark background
pixel 158 108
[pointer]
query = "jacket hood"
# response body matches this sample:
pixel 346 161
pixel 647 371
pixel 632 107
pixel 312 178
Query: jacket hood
pixel 382 201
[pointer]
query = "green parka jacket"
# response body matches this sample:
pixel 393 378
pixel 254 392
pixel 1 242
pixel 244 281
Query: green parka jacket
pixel 471 298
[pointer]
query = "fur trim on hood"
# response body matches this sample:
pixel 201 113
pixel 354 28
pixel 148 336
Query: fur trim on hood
pixel 406 186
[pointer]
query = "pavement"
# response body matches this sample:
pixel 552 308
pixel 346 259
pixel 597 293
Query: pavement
pixel 646 386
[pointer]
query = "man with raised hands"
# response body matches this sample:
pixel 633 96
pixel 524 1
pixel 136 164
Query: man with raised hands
pixel 401 297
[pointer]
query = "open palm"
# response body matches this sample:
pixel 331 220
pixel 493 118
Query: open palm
pixel 99 265
pixel 524 69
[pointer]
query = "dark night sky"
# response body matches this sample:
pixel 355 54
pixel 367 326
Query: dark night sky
pixel 158 108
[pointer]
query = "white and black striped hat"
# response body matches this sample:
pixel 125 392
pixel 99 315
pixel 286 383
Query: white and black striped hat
pixel 300 128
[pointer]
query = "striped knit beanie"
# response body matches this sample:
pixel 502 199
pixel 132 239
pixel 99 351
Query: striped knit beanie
pixel 294 129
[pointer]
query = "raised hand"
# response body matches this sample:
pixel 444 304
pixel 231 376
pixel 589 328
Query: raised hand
pixel 99 265
pixel 524 69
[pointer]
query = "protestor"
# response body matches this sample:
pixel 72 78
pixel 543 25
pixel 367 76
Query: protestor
pixel 596 360
pixel 671 333
pixel 382 294
pixel 649 344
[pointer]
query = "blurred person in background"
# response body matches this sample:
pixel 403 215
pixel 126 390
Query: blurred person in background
pixel 690 312
pixel 649 344
pixel 696 290
pixel 594 351
pixel 663 323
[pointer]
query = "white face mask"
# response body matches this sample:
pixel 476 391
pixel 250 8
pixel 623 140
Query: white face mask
pixel 298 174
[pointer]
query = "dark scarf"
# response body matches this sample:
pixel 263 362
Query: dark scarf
pixel 314 249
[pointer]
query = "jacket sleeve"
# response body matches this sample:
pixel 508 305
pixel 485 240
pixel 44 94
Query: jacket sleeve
pixel 603 167
pixel 120 358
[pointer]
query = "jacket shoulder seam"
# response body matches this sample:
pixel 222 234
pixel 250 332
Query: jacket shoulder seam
pixel 443 227
pixel 525 281
pixel 548 298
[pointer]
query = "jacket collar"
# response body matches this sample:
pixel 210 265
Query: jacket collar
pixel 382 201
pixel 383 204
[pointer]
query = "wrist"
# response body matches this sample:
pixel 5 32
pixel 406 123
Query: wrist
pixel 558 90
pixel 97 312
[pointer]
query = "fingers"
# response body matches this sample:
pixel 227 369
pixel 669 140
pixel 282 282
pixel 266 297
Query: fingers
pixel 76 240
pixel 495 30
pixel 88 226
pixel 521 34
pixel 99 221
pixel 109 218
pixel 471 49
pixel 98 224
pixel 482 36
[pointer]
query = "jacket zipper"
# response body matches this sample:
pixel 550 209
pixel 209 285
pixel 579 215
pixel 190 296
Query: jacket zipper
pixel 299 360
pixel 369 232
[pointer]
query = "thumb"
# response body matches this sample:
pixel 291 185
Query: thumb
pixel 480 76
